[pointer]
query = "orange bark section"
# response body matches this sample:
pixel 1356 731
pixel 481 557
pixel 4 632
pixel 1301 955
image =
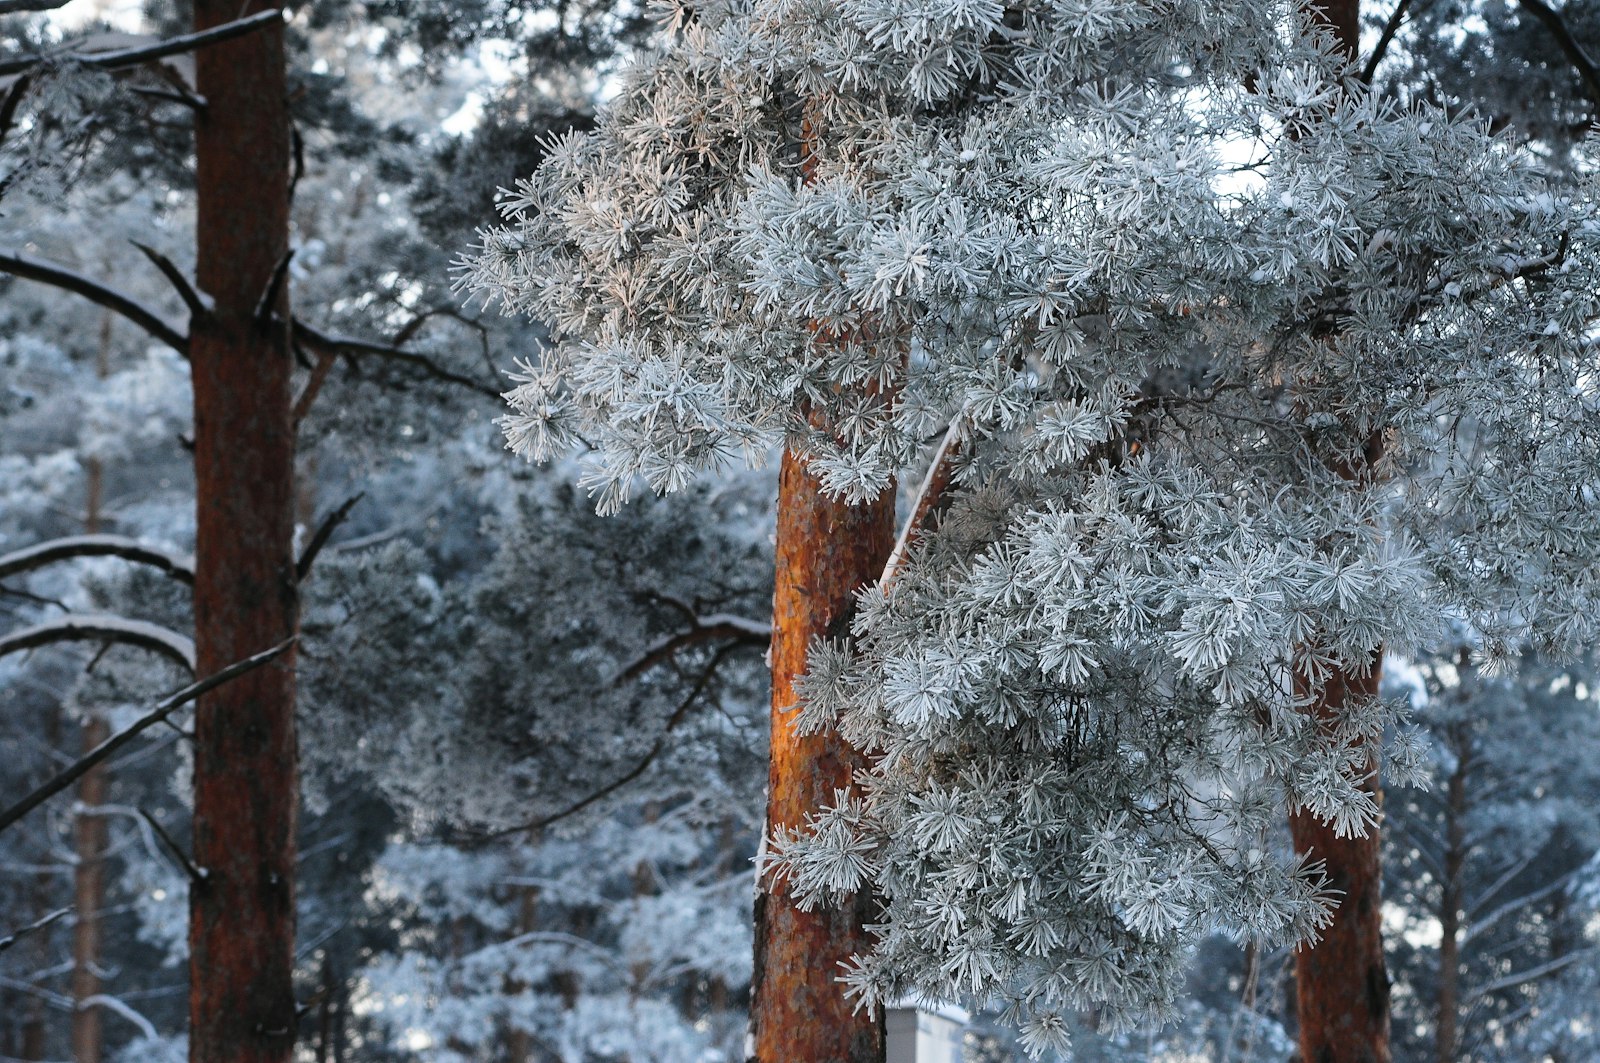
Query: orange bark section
pixel 826 551
pixel 1341 983
pixel 241 932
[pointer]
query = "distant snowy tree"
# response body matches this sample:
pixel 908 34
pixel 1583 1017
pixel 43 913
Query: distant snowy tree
pixel 1489 865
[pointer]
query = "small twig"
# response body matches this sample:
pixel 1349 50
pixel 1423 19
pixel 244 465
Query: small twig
pixel 308 556
pixel 34 927
pixel 174 275
pixel 643 764
pixel 172 847
pixel 65 778
pixel 36 599
pixel 734 631
pixel 266 309
pixel 313 388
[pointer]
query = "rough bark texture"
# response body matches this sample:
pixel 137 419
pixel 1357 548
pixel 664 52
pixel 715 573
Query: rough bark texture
pixel 826 551
pixel 1341 984
pixel 241 932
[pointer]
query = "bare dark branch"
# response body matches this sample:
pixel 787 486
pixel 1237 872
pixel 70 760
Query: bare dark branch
pixel 1390 28
pixel 172 847
pixel 308 556
pixel 266 307
pixel 32 557
pixel 126 57
pixel 37 269
pixel 182 99
pixel 34 927
pixel 719 628
pixel 65 778
pixel 313 388
pixel 639 768
pixel 91 627
pixel 346 345
pixel 1580 60
pixel 169 269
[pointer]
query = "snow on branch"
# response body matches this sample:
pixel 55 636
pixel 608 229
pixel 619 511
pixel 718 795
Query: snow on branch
pixel 94 627
pixel 145 53
pixel 67 776
pixel 28 267
pixel 180 567
pixel 111 1003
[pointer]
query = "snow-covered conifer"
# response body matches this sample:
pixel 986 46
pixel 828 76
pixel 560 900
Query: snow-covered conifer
pixel 1247 374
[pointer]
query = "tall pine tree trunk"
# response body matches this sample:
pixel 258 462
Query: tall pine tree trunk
pixel 89 825
pixel 241 932
pixel 826 551
pixel 1341 983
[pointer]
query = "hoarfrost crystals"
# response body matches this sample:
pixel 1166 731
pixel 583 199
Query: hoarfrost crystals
pixel 1221 439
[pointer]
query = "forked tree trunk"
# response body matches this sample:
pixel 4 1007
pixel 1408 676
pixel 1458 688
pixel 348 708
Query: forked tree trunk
pixel 241 931
pixel 826 551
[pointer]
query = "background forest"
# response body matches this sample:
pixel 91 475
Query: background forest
pixel 533 740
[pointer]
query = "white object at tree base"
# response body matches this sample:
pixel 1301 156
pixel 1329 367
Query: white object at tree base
pixel 927 1033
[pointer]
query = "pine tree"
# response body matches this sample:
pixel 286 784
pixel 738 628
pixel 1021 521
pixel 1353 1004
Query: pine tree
pixel 1160 277
pixel 241 959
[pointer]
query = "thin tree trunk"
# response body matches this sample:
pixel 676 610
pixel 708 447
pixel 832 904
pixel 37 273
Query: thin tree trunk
pixel 89 826
pixel 826 551
pixel 1455 853
pixel 1341 984
pixel 242 918
pixel 519 1042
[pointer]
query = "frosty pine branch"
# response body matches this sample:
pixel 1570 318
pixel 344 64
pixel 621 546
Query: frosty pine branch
pixel 1169 268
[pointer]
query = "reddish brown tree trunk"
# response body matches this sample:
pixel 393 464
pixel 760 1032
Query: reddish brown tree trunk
pixel 241 931
pixel 826 551
pixel 1341 983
